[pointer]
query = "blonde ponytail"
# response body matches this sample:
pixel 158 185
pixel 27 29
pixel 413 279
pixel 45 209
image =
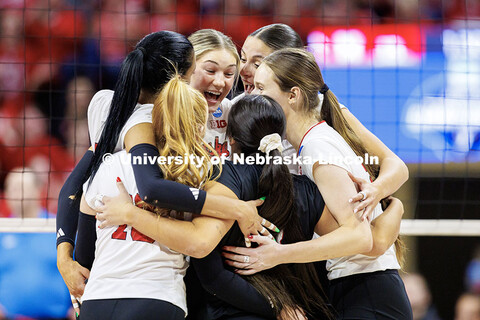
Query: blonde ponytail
pixel 179 114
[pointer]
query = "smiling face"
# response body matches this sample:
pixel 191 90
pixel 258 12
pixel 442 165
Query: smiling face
pixel 214 76
pixel 253 52
pixel 265 84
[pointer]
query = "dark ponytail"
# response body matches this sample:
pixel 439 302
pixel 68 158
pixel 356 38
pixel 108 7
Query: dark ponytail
pixel 125 98
pixel 286 285
pixel 148 67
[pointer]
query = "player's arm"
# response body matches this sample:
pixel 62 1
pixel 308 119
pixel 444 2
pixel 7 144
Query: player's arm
pixel 352 236
pixel 72 272
pixel 196 238
pixel 393 171
pixel 69 202
pixel 139 141
pixel 386 227
pixel 230 287
pixel 87 235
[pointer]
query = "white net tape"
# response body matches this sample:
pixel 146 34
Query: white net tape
pixel 445 228
pixel 27 225
pixel 409 227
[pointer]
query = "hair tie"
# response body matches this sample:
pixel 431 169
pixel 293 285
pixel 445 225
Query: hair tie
pixel 271 142
pixel 143 51
pixel 324 88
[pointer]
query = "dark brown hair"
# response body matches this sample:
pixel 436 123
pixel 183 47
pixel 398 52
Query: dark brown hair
pixel 278 36
pixel 288 285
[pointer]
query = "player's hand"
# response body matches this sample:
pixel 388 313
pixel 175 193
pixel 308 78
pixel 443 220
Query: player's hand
pixel 251 223
pixel 74 276
pixel 366 199
pixel 249 261
pixel 114 210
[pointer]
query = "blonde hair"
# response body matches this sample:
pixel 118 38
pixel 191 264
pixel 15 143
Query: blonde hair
pixel 179 118
pixel 206 40
pixel 297 68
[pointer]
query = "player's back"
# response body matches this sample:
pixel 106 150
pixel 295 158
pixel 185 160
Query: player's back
pixel 127 263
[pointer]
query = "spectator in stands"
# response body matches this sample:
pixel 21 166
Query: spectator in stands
pixel 79 92
pixel 12 56
pixel 472 273
pixel 22 193
pixel 468 307
pixel 30 285
pixel 30 145
pixel 420 297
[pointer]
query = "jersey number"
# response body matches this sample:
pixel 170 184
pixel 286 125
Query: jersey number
pixel 121 234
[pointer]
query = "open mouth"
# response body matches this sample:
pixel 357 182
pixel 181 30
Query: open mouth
pixel 249 88
pixel 212 97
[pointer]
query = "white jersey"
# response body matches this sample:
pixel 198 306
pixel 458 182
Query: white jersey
pixel 240 96
pixel 98 111
pixel 289 150
pixel 127 263
pixel 216 133
pixel 323 144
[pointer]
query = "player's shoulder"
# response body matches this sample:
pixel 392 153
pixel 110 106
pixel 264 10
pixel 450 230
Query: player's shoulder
pixel 143 108
pixel 238 97
pixel 100 101
pixel 103 96
pixel 319 133
pixel 226 104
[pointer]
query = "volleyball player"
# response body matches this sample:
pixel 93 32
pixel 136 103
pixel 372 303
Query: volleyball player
pixel 121 119
pixel 363 286
pixel 254 122
pixel 393 171
pixel 287 289
pixel 217 65
pixel 132 276
pixel 260 44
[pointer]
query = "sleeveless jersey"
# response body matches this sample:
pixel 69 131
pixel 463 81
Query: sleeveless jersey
pixel 98 111
pixel 325 145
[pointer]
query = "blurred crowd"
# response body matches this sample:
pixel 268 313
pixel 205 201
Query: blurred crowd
pixel 467 306
pixel 54 54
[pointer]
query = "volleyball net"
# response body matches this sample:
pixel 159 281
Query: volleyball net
pixel 408 71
